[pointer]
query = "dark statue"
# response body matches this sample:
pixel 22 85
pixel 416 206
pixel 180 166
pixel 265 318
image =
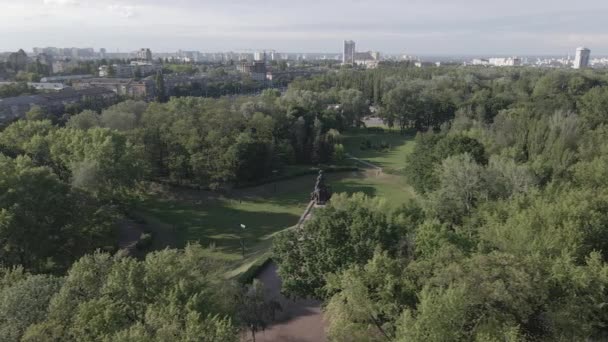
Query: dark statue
pixel 322 192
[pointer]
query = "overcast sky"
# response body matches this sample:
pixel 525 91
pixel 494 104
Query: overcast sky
pixel 422 27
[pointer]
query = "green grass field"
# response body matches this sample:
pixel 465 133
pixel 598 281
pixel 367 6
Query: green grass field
pixel 214 220
pixel 391 160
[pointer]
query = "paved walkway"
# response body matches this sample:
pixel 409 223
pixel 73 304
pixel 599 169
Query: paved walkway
pixel 300 321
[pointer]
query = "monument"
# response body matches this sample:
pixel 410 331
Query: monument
pixel 322 192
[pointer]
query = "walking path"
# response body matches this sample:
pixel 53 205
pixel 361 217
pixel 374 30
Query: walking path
pixel 300 321
pixel 366 163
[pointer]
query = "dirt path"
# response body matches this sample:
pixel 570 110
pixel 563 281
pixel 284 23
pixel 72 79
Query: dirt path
pixel 300 321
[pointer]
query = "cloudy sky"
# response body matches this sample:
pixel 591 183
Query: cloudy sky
pixel 397 26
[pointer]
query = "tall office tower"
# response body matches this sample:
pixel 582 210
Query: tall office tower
pixel 348 55
pixel 582 58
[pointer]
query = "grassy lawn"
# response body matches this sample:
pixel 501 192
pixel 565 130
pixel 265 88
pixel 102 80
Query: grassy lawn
pixel 215 220
pixel 391 160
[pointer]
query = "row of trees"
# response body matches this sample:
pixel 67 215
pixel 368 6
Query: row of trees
pixel 506 240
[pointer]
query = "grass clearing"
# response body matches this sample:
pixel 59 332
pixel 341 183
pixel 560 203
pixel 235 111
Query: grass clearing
pixel 214 220
pixel 391 160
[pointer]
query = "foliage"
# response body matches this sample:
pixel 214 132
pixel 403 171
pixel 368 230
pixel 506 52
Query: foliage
pixel 171 294
pixel 44 224
pixel 345 233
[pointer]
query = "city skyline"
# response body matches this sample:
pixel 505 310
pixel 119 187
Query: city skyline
pixel 438 27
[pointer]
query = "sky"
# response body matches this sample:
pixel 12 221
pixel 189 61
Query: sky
pixel 416 27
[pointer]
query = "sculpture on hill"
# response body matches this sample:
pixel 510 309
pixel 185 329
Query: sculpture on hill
pixel 322 192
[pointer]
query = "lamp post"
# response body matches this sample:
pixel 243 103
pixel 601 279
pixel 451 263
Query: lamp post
pixel 243 241
pixel 274 174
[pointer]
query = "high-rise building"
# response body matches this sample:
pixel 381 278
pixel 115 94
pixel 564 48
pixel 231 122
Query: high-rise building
pixel 348 54
pixel 582 58
pixel 144 55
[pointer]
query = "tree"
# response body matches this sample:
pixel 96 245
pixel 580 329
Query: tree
pixel 173 295
pixel 354 106
pixel 100 161
pixel 160 87
pixel 44 225
pixel 593 107
pixel 25 303
pixel 345 233
pixel 255 311
pixel 36 113
pixel 84 120
pixel 461 186
pixel 369 299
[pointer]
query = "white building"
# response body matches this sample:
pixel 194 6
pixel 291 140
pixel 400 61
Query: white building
pixel 582 58
pixel 501 62
pixel 369 59
pixel 348 54
pixel 480 61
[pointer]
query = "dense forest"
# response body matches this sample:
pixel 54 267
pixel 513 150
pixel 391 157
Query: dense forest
pixel 504 241
pixel 507 239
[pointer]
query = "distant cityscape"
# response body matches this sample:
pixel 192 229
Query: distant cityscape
pixel 62 58
pixel 57 78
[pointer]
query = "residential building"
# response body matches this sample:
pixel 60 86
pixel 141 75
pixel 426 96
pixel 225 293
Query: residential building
pixel 45 59
pixel 257 70
pixel 140 69
pixel 13 108
pixel 369 59
pixel 348 53
pixel 144 54
pixel 582 58
pixel 511 61
pixel 68 78
pixel 127 87
pixel 259 56
pixel 40 85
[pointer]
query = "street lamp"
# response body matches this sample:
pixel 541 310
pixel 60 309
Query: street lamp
pixel 243 241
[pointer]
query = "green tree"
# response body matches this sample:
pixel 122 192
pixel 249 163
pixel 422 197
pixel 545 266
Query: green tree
pixel 160 87
pixel 84 120
pixel 25 303
pixel 345 233
pixel 36 113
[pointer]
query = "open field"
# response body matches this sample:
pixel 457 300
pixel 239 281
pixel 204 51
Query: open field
pixel 392 160
pixel 214 220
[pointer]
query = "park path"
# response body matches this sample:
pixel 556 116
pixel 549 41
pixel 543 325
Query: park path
pixel 300 321
pixel 364 162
